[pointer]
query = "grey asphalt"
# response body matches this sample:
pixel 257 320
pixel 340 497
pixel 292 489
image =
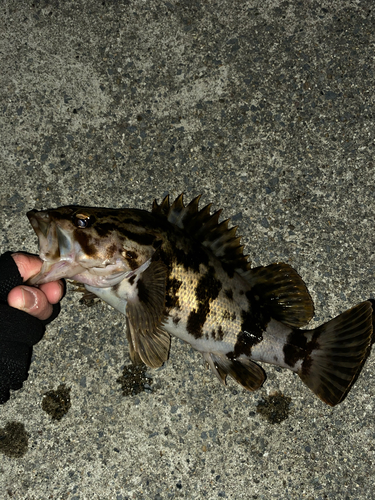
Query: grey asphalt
pixel 267 109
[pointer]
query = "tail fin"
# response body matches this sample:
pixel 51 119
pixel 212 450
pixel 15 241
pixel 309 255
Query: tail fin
pixel 338 350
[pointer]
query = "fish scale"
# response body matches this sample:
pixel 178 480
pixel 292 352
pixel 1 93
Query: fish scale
pixel 222 312
pixel 179 271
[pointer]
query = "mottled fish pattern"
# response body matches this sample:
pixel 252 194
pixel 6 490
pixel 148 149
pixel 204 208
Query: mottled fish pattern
pixel 181 271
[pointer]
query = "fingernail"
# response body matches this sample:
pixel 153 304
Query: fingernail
pixel 29 299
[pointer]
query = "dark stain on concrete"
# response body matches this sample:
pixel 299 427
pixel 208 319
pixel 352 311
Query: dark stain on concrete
pixel 14 440
pixel 275 408
pixel 134 380
pixel 57 403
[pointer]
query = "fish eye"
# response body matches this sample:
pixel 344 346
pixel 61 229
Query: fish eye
pixel 82 221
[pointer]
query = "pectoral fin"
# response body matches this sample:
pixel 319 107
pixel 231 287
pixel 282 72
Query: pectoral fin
pixel 148 341
pixel 149 347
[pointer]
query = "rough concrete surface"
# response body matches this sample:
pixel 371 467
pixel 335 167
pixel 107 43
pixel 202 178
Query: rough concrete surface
pixel 267 109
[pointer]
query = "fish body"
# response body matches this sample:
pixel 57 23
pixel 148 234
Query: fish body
pixel 179 271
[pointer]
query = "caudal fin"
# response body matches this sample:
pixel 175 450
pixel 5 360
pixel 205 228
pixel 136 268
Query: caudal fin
pixel 337 351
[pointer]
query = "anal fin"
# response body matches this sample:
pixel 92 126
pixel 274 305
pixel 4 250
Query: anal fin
pixel 281 291
pixel 244 371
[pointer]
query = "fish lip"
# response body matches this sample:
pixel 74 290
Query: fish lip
pixel 61 255
pixel 40 222
pixel 44 272
pixel 52 271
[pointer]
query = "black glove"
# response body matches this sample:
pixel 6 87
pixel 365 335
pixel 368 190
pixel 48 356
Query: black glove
pixel 19 331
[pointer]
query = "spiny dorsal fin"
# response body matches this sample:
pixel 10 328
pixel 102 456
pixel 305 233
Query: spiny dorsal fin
pixel 205 228
pixel 163 208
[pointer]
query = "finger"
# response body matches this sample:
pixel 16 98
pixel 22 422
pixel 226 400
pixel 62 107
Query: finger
pixel 31 300
pixel 54 291
pixel 28 265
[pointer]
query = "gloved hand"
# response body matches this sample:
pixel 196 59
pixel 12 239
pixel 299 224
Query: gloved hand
pixel 24 312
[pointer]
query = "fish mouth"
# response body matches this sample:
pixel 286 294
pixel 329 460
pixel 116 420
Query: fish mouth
pixel 62 255
pixel 55 249
pixel 40 222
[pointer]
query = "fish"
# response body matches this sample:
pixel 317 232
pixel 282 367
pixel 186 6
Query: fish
pixel 179 270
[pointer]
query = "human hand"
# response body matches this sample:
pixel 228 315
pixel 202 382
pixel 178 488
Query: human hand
pixel 24 312
pixel 35 301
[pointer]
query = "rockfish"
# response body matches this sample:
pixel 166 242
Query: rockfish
pixel 179 271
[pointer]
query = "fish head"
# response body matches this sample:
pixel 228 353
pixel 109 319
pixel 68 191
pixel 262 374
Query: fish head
pixel 98 247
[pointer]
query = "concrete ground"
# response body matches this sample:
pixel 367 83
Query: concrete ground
pixel 267 109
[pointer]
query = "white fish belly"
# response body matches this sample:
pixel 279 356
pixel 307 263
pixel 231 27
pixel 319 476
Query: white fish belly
pixel 201 344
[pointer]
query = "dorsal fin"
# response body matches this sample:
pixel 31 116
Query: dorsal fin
pixel 206 228
pixel 281 290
